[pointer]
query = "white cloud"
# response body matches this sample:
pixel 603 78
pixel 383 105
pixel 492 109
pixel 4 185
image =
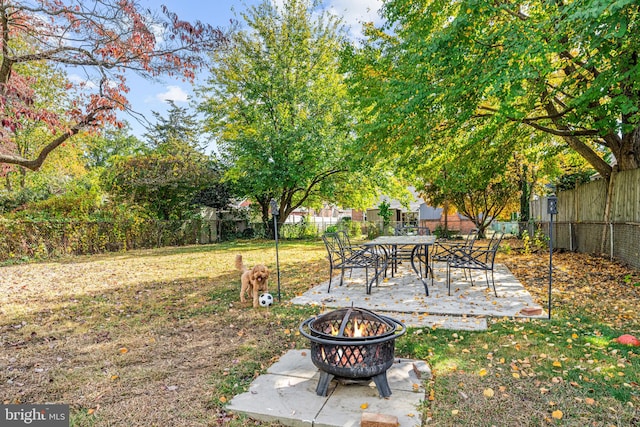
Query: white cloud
pixel 355 12
pixel 173 93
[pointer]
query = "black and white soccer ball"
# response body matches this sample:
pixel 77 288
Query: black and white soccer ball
pixel 266 299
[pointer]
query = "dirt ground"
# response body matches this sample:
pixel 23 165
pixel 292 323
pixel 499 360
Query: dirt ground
pixel 129 339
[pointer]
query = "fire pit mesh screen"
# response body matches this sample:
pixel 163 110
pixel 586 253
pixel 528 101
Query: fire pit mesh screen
pixel 359 324
pixel 352 343
pixel 357 360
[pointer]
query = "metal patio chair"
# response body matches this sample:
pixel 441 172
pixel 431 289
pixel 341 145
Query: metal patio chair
pixel 441 251
pixel 343 256
pixel 474 258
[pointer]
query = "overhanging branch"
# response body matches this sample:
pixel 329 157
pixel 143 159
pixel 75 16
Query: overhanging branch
pixel 36 163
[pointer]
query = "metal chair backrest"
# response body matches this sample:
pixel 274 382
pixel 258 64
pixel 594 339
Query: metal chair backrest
pixel 489 254
pixel 334 249
pixel 494 243
pixel 343 239
pixel 412 230
pixel 471 239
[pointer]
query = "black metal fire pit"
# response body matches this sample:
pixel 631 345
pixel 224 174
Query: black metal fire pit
pixel 352 343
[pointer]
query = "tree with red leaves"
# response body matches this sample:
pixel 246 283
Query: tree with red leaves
pixel 105 40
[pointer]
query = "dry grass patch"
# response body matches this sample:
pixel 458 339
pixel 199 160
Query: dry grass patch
pixel 145 338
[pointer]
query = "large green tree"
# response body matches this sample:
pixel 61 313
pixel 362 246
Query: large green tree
pixel 473 178
pixel 173 177
pixel 566 69
pixel 101 147
pixel 179 131
pixel 278 107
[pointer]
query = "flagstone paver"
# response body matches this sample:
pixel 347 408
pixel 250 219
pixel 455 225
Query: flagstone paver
pixel 403 295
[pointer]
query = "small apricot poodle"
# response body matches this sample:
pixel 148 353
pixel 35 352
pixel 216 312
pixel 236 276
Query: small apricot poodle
pixel 254 281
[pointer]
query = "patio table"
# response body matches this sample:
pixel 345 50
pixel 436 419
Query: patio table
pixel 420 251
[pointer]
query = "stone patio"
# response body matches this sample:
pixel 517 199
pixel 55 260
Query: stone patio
pixel 286 393
pixel 403 297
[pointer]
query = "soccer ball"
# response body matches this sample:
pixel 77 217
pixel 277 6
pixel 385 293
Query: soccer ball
pixel 265 300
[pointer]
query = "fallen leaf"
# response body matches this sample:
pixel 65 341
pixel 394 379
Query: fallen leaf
pixel 223 399
pixel 557 364
pixel 364 406
pixel 488 392
pixel 455 412
pixel 589 401
pixel 123 350
pixel 482 372
pixel 557 414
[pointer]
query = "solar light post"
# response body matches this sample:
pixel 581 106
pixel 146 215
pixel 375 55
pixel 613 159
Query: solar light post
pixel 274 214
pixel 552 209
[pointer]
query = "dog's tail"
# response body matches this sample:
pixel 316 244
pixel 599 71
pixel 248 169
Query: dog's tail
pixel 239 264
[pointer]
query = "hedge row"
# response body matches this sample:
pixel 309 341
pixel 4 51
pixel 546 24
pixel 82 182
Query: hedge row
pixel 25 239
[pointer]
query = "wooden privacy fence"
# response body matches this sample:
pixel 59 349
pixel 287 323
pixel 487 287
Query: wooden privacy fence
pixel 586 223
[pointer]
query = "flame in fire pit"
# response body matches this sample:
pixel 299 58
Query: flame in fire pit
pixel 358 332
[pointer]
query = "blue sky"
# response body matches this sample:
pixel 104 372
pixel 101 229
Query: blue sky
pixel 148 96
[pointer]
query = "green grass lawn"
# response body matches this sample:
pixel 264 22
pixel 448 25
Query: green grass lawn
pixel 159 337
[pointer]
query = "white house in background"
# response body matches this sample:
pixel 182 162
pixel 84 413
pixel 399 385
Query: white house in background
pixel 329 214
pixel 419 213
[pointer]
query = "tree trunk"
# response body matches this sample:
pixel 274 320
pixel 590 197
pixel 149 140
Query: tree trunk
pixel 525 194
pixel 628 155
pixel 446 218
pixel 7 178
pixel 593 158
pixel 23 178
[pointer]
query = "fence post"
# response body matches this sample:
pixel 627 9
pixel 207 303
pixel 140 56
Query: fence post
pixel 611 240
pixel 570 236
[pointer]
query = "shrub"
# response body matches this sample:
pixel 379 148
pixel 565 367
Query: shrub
pixel 442 233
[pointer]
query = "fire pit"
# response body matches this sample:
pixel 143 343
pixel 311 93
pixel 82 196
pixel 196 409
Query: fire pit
pixel 352 343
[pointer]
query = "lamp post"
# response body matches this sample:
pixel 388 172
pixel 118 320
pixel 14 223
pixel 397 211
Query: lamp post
pixel 552 209
pixel 274 214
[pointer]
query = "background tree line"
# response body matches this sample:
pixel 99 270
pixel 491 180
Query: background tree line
pixel 477 104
